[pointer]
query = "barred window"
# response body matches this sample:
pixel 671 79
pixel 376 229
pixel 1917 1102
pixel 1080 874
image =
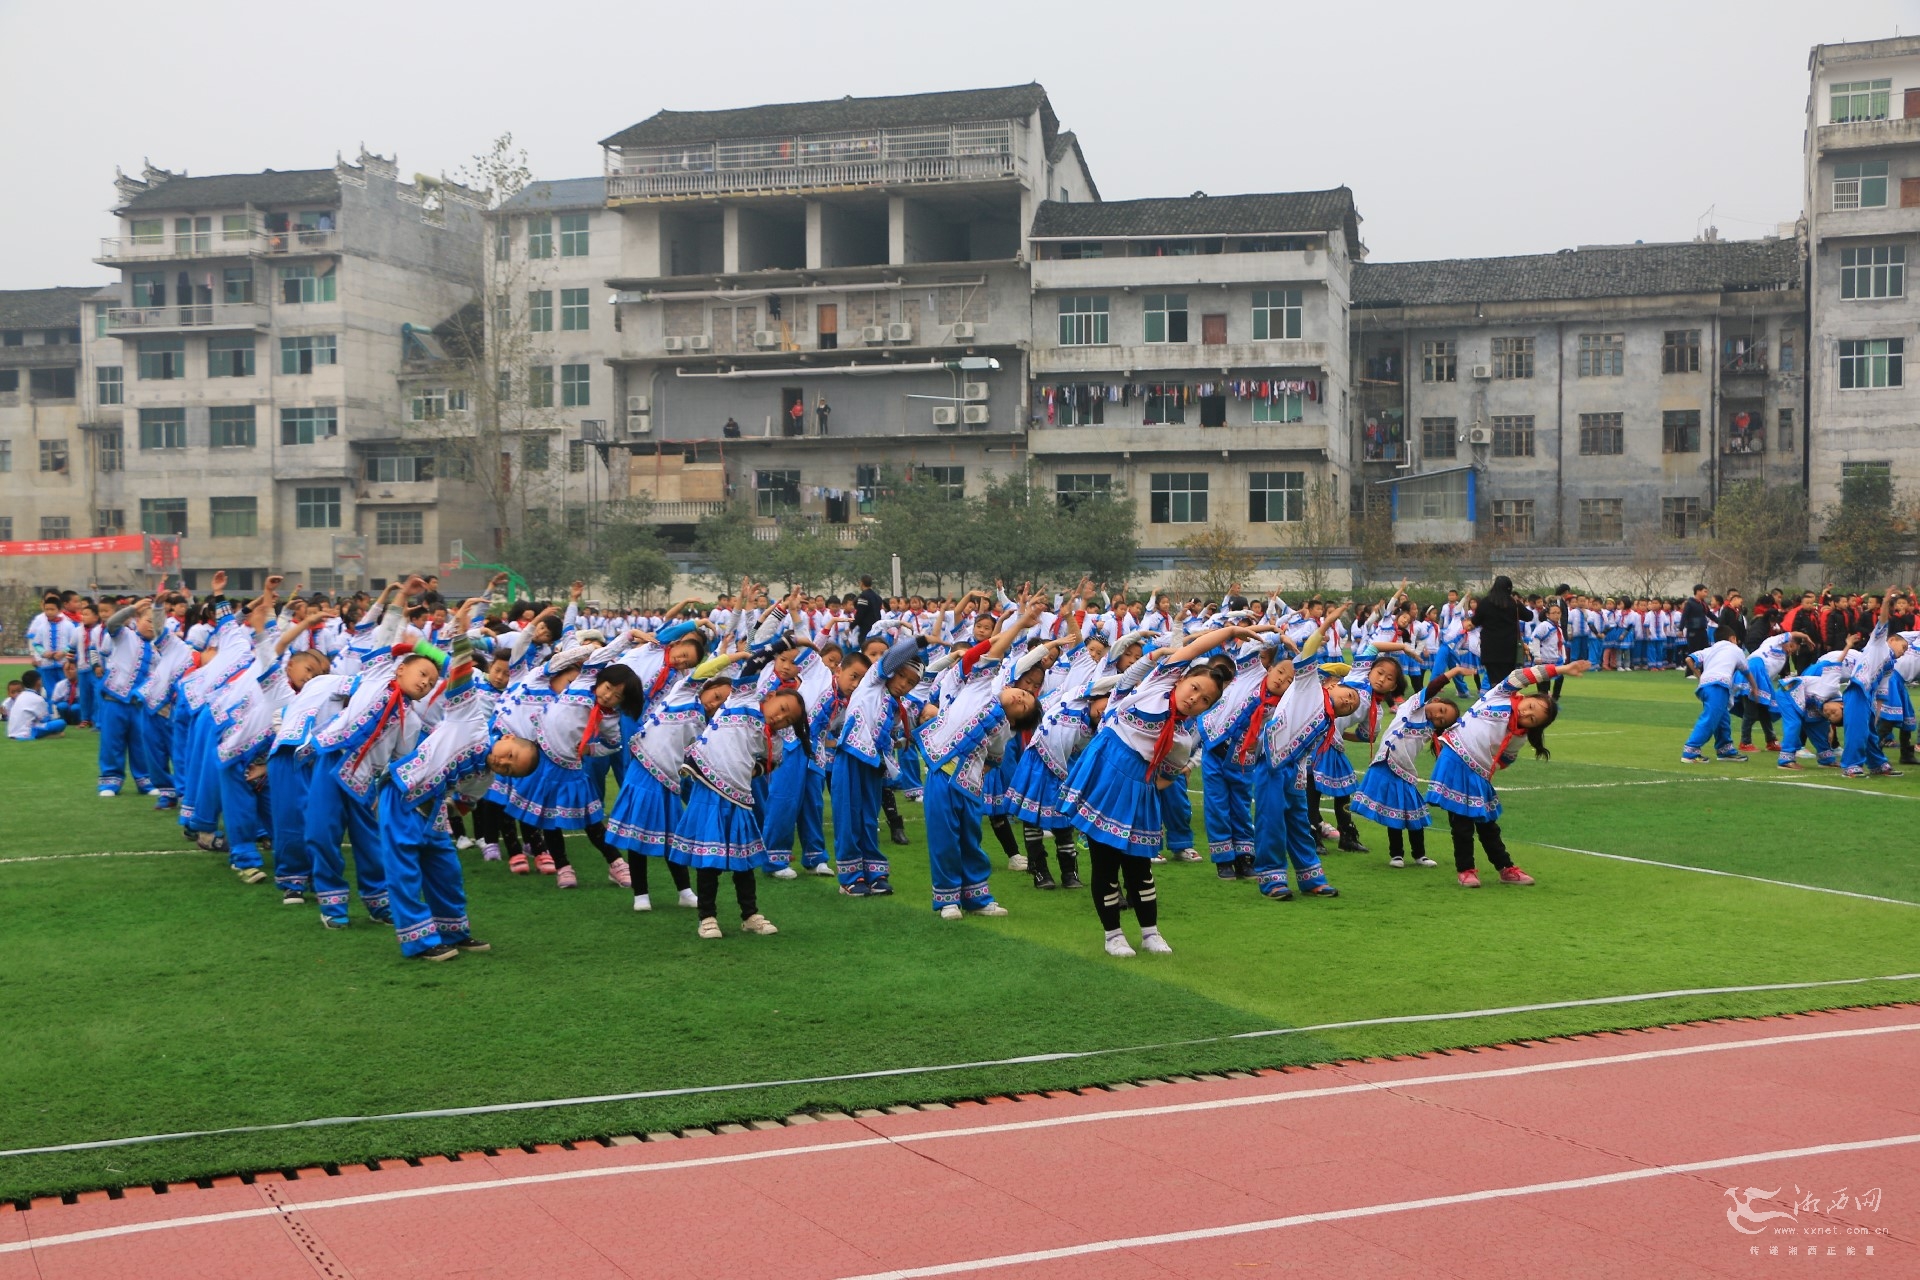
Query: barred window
pixel 1680 517
pixel 1680 431
pixel 1601 434
pixel 1438 362
pixel 1603 355
pixel 1513 518
pixel 1513 436
pixel 1513 357
pixel 1680 351
pixel 1600 520
pixel 1440 437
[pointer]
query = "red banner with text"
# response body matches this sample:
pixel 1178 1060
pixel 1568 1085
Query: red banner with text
pixel 75 546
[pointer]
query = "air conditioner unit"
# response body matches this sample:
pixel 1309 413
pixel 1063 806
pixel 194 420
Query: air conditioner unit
pixel 873 333
pixel 639 404
pixel 974 415
pixel 699 342
pixel 639 424
pixel 973 391
pixel 963 330
pixel 766 339
pixel 1479 435
pixel 945 416
pixel 900 332
pixel 675 344
pixel 1481 371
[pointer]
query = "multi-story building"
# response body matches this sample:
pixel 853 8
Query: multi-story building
pixel 253 351
pixel 1863 215
pixel 813 295
pixel 1193 353
pixel 45 490
pixel 1571 398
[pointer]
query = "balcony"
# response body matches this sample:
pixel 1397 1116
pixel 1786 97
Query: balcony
pixel 1862 135
pixel 51 356
pixel 205 245
pixel 682 512
pixel 198 318
pixel 1054 361
pixel 784 178
pixel 1749 362
pixel 1194 269
pixel 1296 437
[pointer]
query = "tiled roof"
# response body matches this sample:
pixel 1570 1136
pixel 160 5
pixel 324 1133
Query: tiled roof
pixel 43 308
pixel 567 193
pixel 1199 214
pixel 666 128
pixel 231 190
pixel 1613 271
pixel 1070 141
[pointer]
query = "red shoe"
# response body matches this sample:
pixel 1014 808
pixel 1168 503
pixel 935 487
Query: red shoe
pixel 1514 875
pixel 1748 746
pixel 1469 879
pixel 544 863
pixel 1773 747
pixel 518 864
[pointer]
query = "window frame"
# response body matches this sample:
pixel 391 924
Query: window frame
pixel 1163 398
pixel 1690 513
pixel 1602 355
pixel 240 514
pixel 316 507
pixel 1178 497
pixel 576 310
pixel 307 420
pixel 1288 407
pixel 1289 487
pixel 1679 351
pixel 1287 306
pixel 109 384
pixel 301 285
pixel 168 357
pixel 782 495
pixel 399 528
pixel 1860 184
pixel 1596 516
pixel 304 353
pixel 1071 488
pixel 576 386
pixel 1680 431
pixel 1159 313
pixel 162 512
pixel 1085 320
pixel 575 235
pixel 1430 428
pixel 1865 100
pixel 1512 518
pixel 163 427
pixel 1517 429
pixel 540 237
pixel 1884 369
pixel 1598 431
pixel 540 386
pixel 950 480
pixel 222 419
pixel 1440 361
pixel 241 367
pixel 1513 357
pixel 56 457
pixel 1884 272
pixel 539 311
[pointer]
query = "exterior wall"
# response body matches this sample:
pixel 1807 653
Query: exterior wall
pixel 29 495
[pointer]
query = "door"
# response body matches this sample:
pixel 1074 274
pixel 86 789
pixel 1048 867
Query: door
pixel 828 316
pixel 793 411
pixel 1913 103
pixel 1213 330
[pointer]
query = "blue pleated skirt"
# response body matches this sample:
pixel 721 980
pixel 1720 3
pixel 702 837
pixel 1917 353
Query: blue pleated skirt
pixel 715 833
pixel 1109 797
pixel 1033 793
pixel 1390 800
pixel 555 798
pixel 644 814
pixel 1333 771
pixel 1458 789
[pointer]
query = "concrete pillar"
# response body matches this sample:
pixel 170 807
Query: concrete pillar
pixel 815 238
pixel 730 240
pixel 897 230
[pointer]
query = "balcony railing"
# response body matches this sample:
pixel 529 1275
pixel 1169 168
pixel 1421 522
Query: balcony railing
pixel 254 242
pixel 682 512
pixel 212 315
pixel 40 357
pixel 790 177
pixel 1753 360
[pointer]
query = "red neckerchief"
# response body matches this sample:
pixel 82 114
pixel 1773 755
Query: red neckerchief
pixel 1513 720
pixel 396 709
pixel 593 729
pixel 1373 714
pixel 1164 742
pixel 1268 701
pixel 659 682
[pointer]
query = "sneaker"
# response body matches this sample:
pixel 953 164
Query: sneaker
pixel 1154 944
pixel 858 889
pixel 293 898
pixel 1853 771
pixel 757 923
pixel 544 864
pixel 1396 861
pixel 1243 866
pixel 489 853
pixel 165 802
pixel 1159 859
pixel 212 842
pixel 439 951
pixel 380 917
pixel 107 793
pixel 518 864
pixel 251 875
pixel 1773 747
pixel 1789 764
pixel 463 843
pixel 1018 862
pixel 687 898
pixel 786 873
pixel 472 944
pixel 1319 889
pixel 1328 831
pixel 641 902
pixel 1469 879
pixel 1277 893
pixel 1351 844
pixel 709 927
pixel 1748 746
pixel 620 873
pixel 879 888
pixel 991 909
pixel 331 922
pixel 822 869
pixel 1187 855
pixel 1118 948
pixel 1692 757
pixel 1424 861
pixel 1888 771
pixel 951 911
pixel 1225 871
pixel 1514 875
pixel 1730 757
pixel 566 878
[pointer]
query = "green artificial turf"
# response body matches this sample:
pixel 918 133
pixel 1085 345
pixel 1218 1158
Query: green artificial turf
pixel 153 994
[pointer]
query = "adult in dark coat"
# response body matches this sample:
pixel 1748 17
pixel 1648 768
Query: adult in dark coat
pixel 1498 618
pixel 867 608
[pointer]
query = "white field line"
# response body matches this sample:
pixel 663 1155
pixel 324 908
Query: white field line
pixel 1732 875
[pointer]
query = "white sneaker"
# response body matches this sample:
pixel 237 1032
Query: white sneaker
pixel 757 923
pixel 107 795
pixel 991 909
pixel 1156 944
pixel 641 902
pixel 824 869
pixel 1018 862
pixel 1118 947
pixel 709 928
pixel 1330 831
pixel 464 842
pixel 687 898
pixel 786 873
pixel 950 912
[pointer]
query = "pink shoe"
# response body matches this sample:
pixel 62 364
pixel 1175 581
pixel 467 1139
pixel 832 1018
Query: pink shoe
pixel 618 873
pixel 543 863
pixel 490 853
pixel 518 864
pixel 1469 879
pixel 566 879
pixel 1514 875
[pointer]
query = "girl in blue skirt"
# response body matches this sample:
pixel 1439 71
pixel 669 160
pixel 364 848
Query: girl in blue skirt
pixel 1390 792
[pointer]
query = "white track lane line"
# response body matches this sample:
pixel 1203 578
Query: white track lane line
pixel 115 853
pixel 1377 1210
pixel 969 1131
pixel 1730 875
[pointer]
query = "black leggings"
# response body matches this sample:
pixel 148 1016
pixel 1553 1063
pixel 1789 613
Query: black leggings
pixel 707 889
pixel 1109 866
pixel 637 865
pixel 1342 820
pixel 1416 836
pixel 1035 839
pixel 1463 829
pixel 492 826
pixel 891 808
pixel 1753 712
pixel 554 841
pixel 1003 832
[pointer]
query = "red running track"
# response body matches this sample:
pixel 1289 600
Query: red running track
pixel 1597 1156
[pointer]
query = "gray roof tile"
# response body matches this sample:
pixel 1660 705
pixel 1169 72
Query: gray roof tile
pixel 231 190
pixel 1199 214
pixel 564 193
pixel 667 128
pixel 1613 271
pixel 43 308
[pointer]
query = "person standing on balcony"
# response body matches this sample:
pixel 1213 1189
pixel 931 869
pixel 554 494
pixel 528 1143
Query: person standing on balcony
pixel 821 412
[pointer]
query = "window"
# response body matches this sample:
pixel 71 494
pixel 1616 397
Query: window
pixel 1601 434
pixel 1860 100
pixel 1285 407
pixel 230 355
pixel 576 456
pixel 56 526
pixel 163 358
pixel 1862 185
pixel 9 380
pixel 1680 351
pixel 230 426
pixel 1680 517
pixel 950 481
pixel 6 456
pixel 536 453
pixel 53 455
pixel 1276 496
pixel 1787 353
pixel 236 284
pixel 51 384
pixel 775 492
pixel 1600 520
pixel 100 314
pixel 305 426
pixel 539 237
pixel 163 428
pixel 1166 403
pixel 502 240
pixel 1874 271
pixel 234 226
pixel 1177 497
pixel 574 309
pixel 6 528
pixel 1863 470
pixel 112 447
pixel 399 528
pixel 1166 317
pixel 1513 518
pixel 573 235
pixel 234 517
pixel 300 284
pixel 1080 406
pixel 576 518
pixel 576 386
pixel 1513 436
pixel 149 289
pixel 316 508
pixel 163 516
pixel 1072 488
pixel 148 230
pixel 398 468
pixel 302 355
pixel 1513 357
pixel 1872 363
pixel 540 386
pixel 540 311
pixel 193 235
pixel 1439 437
pixel 1073 249
pixel 432 403
pixel 1787 432
pixel 1276 314
pixel 109 381
pixel 1680 431
pixel 1083 322
pixel 1439 362
pixel 503 385
pixel 109 522
pixel 1603 355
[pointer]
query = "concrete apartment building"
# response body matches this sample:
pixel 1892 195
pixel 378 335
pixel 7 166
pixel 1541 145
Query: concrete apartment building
pixel 844 281
pixel 1863 219
pixel 1569 399
pixel 246 372
pixel 45 485
pixel 1191 353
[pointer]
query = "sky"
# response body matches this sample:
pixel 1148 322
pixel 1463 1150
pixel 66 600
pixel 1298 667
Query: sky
pixel 1465 129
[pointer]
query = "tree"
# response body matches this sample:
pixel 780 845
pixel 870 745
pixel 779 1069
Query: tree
pixel 548 557
pixel 1759 531
pixel 1652 559
pixel 633 574
pixel 1221 561
pixel 1864 535
pixel 1315 539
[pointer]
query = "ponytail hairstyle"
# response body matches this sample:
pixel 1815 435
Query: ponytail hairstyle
pixel 633 694
pixel 1218 667
pixel 1537 736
